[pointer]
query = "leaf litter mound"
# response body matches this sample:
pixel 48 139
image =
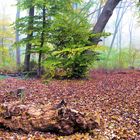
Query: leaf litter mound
pixel 113 98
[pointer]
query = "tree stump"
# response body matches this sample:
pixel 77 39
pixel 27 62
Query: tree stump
pixel 45 118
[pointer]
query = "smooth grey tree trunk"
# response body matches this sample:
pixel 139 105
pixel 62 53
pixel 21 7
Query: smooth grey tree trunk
pixel 131 25
pixel 18 59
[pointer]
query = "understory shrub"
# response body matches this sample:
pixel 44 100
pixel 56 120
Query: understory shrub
pixel 7 62
pixel 72 51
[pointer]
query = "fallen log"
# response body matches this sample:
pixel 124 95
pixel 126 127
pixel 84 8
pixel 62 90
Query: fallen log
pixel 45 118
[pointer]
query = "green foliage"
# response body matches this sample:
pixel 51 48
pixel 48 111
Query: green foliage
pixel 70 33
pixel 6 40
pixel 119 59
pixel 66 33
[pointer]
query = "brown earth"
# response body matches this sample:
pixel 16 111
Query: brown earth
pixel 113 97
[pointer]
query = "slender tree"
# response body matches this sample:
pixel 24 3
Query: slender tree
pixel 30 35
pixel 42 39
pixel 18 60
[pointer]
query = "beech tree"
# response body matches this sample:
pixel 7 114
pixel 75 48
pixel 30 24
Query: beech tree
pixel 104 18
pixel 29 36
pixel 42 39
pixel 66 29
pixel 18 60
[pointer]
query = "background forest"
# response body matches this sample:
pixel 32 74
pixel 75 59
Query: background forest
pixel 69 70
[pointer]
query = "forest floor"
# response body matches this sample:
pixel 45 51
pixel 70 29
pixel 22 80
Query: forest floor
pixel 113 96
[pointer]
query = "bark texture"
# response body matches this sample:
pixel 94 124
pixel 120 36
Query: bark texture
pixel 42 41
pixel 45 118
pixel 29 45
pixel 104 17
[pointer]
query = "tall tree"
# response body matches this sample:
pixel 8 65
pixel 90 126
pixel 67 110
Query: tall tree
pixel 104 17
pixel 30 35
pixel 42 39
pixel 18 60
pixel 57 31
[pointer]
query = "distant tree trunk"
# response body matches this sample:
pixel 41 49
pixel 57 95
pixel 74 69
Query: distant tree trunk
pixel 104 17
pixel 118 21
pixel 120 46
pixel 131 24
pixel 28 46
pixel 18 60
pixel 42 41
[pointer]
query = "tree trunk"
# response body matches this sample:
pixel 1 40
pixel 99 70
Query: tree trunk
pixel 18 60
pixel 28 46
pixel 42 41
pixel 104 18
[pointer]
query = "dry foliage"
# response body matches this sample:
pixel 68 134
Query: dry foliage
pixel 113 97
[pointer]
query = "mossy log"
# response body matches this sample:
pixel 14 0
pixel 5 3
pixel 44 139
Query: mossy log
pixel 45 118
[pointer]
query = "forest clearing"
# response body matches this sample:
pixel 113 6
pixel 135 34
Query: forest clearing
pixel 70 70
pixel 112 97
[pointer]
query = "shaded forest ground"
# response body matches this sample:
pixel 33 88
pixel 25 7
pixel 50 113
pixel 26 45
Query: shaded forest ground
pixel 113 96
